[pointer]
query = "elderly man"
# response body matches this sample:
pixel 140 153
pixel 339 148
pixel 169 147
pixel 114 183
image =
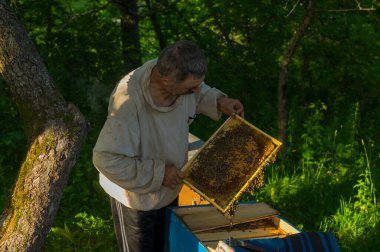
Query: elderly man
pixel 144 141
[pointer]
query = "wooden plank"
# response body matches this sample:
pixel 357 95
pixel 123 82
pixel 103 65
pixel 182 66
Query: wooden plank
pixel 284 226
pixel 201 218
pixel 238 234
pixel 233 224
pixel 189 197
pixel 210 245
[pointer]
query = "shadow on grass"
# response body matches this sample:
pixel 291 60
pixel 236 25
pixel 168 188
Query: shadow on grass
pixel 369 242
pixel 307 204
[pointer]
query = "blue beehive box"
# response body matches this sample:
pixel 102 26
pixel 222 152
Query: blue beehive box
pixel 201 227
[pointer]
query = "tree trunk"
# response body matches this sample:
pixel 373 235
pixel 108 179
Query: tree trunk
pixel 55 133
pixel 130 34
pixel 282 81
pixel 152 13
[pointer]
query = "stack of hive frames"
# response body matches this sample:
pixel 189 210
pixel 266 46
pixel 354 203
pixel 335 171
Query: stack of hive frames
pixel 230 162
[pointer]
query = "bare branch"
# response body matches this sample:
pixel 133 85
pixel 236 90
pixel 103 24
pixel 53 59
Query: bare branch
pixel 358 8
pixel 349 10
pixel 291 11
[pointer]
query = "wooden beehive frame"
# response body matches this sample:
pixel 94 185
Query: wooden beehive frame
pixel 268 159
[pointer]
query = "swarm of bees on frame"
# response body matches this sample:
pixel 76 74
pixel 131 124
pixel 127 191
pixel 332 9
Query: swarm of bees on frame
pixel 228 162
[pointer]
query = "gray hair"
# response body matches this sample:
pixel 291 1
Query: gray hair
pixel 181 59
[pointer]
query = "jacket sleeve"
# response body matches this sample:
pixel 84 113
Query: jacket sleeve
pixel 116 153
pixel 207 101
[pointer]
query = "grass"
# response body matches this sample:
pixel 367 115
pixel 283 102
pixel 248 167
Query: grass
pixel 357 216
pixel 332 186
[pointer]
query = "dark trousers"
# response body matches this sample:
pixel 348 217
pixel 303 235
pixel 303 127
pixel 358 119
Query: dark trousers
pixel 139 231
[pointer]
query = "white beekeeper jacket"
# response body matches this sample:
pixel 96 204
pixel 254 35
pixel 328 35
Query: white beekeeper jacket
pixel 139 138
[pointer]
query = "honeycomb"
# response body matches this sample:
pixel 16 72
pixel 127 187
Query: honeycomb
pixel 230 162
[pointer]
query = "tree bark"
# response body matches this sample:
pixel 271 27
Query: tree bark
pixel 152 13
pixel 55 131
pixel 283 76
pixel 130 34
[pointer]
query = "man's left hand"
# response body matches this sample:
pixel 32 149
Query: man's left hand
pixel 230 106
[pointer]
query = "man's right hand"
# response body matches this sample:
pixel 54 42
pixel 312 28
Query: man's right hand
pixel 173 177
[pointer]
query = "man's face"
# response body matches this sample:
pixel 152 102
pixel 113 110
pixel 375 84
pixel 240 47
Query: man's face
pixel 188 86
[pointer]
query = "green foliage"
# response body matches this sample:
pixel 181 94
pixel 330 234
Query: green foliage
pixel 84 232
pixel 326 180
pixel 12 144
pixel 357 216
pixel 83 222
pixel 332 186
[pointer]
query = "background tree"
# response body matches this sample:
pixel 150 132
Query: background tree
pixel 130 34
pixel 55 133
pixel 282 79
